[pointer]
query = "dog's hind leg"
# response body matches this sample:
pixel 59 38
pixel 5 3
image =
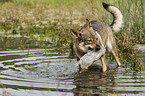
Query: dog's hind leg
pixel 115 54
pixel 104 67
pixel 111 47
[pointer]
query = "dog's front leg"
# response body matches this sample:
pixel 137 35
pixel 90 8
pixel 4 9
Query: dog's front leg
pixel 104 67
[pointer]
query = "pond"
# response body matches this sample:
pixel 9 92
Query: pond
pixel 32 68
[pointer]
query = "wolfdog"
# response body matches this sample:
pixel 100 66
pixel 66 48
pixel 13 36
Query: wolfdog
pixel 87 39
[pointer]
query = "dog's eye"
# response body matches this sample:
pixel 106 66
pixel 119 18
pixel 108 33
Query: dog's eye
pixel 96 38
pixel 89 41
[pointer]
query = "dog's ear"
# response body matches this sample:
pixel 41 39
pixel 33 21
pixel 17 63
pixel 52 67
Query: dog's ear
pixel 76 33
pixel 88 23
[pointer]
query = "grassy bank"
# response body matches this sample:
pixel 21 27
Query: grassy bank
pixel 51 20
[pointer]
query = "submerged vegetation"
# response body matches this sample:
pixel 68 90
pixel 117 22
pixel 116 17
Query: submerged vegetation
pixel 51 20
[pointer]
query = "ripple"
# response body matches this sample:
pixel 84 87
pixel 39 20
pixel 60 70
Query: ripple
pixel 49 71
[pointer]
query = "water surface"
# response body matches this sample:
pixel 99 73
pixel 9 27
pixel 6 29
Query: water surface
pixel 32 68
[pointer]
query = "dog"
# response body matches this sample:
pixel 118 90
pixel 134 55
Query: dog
pixel 87 39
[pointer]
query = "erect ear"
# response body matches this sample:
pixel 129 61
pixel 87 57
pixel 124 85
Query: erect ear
pixel 88 23
pixel 77 34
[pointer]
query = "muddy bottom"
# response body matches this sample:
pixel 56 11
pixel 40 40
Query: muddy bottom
pixel 34 69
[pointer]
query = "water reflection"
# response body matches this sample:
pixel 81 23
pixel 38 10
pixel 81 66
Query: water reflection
pixel 94 82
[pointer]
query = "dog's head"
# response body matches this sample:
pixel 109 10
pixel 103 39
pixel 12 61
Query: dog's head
pixel 86 38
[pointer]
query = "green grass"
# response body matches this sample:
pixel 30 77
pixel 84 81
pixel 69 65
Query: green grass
pixel 55 18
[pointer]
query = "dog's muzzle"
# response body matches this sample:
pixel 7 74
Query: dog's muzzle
pixel 89 48
pixel 96 48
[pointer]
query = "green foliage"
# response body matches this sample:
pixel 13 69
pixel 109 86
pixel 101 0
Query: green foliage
pixel 5 0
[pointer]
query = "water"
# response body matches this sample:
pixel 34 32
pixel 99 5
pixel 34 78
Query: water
pixel 32 68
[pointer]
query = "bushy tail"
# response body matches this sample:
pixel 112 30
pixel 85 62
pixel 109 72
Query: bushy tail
pixel 117 17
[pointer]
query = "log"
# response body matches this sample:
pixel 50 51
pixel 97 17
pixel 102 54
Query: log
pixel 90 57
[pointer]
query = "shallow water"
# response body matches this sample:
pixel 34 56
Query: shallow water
pixel 30 68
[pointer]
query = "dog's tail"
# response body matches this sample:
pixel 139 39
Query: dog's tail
pixel 117 17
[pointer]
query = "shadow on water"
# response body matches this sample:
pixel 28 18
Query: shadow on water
pixel 32 68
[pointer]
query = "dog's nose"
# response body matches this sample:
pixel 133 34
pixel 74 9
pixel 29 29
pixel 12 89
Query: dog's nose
pixel 98 47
